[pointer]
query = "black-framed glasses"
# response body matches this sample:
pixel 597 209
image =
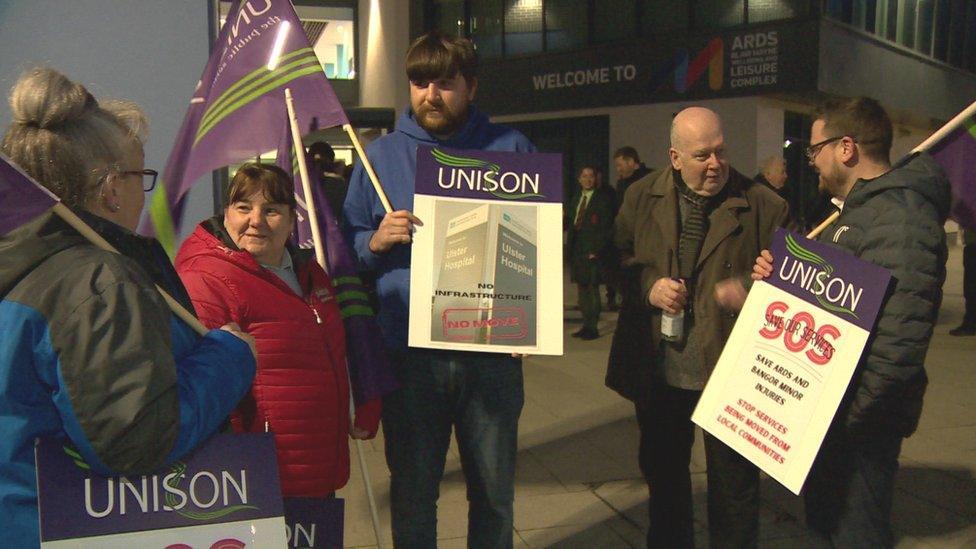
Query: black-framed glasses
pixel 813 150
pixel 147 184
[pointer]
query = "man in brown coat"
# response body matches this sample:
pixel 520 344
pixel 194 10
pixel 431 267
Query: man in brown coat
pixel 695 230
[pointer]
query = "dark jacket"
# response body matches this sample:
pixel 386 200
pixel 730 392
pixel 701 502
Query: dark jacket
pixel 647 227
pixel 301 391
pixel 90 354
pixel 394 157
pixel 592 237
pixel 761 179
pixel 896 221
pixel 625 182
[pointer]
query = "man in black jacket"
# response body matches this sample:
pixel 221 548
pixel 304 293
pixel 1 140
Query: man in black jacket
pixel 892 217
pixel 624 277
pixel 629 169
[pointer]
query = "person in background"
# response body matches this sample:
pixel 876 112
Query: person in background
pixel 333 186
pixel 609 260
pixel 693 229
pixel 240 267
pixel 625 278
pixel 968 325
pixel 589 220
pixel 477 395
pixel 892 217
pixel 629 170
pixel 772 174
pixel 90 354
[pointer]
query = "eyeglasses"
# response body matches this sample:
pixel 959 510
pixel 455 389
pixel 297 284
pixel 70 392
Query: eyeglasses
pixel 813 150
pixel 147 185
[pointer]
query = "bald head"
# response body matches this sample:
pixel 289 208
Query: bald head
pixel 773 169
pixel 692 122
pixel 698 150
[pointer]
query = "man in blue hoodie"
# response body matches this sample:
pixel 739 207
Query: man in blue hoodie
pixel 479 395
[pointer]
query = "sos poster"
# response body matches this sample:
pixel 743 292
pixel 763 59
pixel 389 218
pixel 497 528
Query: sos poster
pixel 791 355
pixel 486 266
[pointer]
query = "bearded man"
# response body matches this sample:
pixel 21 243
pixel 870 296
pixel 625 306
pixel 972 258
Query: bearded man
pixel 479 395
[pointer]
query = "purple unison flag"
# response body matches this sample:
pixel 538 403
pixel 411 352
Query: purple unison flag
pixel 957 155
pixel 21 198
pixel 238 105
pixel 369 367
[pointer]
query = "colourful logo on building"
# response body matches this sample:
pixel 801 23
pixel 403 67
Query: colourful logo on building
pixel 688 71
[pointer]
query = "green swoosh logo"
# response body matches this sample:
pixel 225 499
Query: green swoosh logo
pixel 795 249
pixel 463 162
pixel 174 482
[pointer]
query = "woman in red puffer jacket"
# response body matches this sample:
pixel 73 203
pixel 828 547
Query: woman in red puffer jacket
pixel 239 268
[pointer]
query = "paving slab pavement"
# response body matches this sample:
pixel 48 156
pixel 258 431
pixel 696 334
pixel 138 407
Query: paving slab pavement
pixel 578 484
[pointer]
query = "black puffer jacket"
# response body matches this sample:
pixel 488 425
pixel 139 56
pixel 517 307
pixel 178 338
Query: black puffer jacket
pixel 896 221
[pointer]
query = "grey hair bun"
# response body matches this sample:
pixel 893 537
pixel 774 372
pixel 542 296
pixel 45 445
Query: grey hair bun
pixel 44 98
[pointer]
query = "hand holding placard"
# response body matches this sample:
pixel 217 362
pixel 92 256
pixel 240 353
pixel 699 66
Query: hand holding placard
pixel 396 228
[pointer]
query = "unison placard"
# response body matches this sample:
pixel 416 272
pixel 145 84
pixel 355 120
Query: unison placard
pixel 226 494
pixel 791 355
pixel 486 266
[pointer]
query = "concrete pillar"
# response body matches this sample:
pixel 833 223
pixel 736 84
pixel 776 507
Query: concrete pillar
pixel 383 37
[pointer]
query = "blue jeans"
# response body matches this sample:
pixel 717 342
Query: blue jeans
pixel 849 492
pixel 480 396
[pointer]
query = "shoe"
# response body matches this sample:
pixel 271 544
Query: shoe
pixel 964 329
pixel 579 333
pixel 587 335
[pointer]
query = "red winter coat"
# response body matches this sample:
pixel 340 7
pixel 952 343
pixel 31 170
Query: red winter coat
pixel 301 391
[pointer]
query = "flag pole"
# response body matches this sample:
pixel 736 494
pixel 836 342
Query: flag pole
pixel 823 225
pixel 313 219
pixel 368 166
pixel 77 224
pixel 320 258
pixel 938 135
pixel 949 127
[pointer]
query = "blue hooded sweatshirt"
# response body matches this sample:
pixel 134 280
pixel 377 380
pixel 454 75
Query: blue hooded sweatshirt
pixel 394 157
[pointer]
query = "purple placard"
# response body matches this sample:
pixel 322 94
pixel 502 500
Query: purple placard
pixel 829 278
pixel 489 175
pixel 227 479
pixel 314 523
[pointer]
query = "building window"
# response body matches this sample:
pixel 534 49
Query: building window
pixel 865 15
pixel 331 32
pixel 710 14
pixel 905 34
pixel 774 10
pixel 566 25
pixel 840 10
pixel 924 26
pixel 678 13
pixel 449 17
pixel 940 37
pixel 941 29
pixel 523 26
pixel 486 27
pixel 501 28
pixel 614 20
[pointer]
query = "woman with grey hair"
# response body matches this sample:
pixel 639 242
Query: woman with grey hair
pixel 89 352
